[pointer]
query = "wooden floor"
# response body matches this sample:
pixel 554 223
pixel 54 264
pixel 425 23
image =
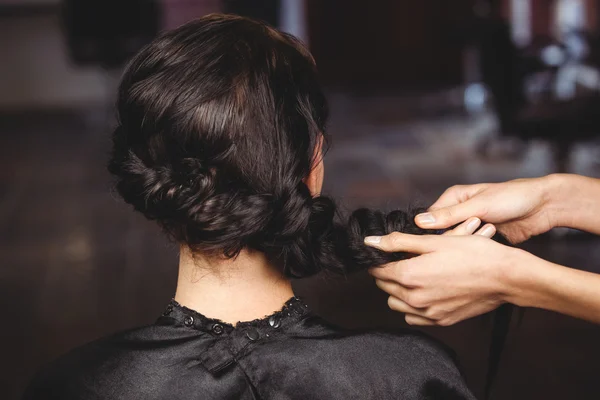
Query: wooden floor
pixel 77 264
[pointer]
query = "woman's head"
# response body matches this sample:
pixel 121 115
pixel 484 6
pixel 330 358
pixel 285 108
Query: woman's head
pixel 221 123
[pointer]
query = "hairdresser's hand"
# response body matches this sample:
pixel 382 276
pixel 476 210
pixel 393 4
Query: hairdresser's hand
pixel 471 227
pixel 517 208
pixel 451 279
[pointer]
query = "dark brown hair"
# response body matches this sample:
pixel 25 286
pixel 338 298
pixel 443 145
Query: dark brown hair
pixel 219 121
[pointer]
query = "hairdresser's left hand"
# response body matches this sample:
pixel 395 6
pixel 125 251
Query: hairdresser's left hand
pixel 451 278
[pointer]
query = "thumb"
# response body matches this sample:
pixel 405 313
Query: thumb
pixel 449 216
pixel 403 242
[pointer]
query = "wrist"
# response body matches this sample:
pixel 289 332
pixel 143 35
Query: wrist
pixel 531 281
pixel 558 199
pixel 519 278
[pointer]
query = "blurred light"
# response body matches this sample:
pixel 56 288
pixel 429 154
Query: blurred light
pixel 293 19
pixel 553 55
pixel 78 247
pixel 577 46
pixel 521 22
pixel 475 96
pixel 570 16
pixel 566 82
pixel 589 77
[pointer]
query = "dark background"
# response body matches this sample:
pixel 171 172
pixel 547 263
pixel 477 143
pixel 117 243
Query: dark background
pixel 417 106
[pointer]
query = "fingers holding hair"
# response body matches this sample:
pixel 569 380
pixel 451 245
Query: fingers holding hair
pixel 421 244
pixel 488 231
pixel 454 206
pixel 470 226
pixel 466 228
pixel 403 242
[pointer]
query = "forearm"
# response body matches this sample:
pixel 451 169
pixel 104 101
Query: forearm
pixel 573 201
pixel 542 284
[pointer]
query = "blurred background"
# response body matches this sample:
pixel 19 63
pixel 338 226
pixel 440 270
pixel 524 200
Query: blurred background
pixel 424 95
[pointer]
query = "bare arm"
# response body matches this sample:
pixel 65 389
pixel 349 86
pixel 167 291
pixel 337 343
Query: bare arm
pixel 574 202
pixel 554 287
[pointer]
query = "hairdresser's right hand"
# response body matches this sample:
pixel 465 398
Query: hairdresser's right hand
pixel 451 278
pixel 517 208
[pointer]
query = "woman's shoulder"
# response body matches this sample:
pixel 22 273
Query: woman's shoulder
pixel 112 361
pixel 403 361
pixel 397 338
pixel 408 341
pixel 399 344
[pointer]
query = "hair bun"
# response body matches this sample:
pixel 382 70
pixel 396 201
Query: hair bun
pixel 290 214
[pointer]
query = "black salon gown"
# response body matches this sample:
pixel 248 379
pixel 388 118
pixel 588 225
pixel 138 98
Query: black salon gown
pixel 292 354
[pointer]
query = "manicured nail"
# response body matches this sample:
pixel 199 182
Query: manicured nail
pixel 373 239
pixel 425 219
pixel 473 225
pixel 488 231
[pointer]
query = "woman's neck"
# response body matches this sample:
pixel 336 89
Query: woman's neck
pixel 240 289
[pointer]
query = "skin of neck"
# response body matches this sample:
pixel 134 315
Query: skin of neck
pixel 243 288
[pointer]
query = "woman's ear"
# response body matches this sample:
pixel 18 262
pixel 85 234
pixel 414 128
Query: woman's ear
pixel 314 180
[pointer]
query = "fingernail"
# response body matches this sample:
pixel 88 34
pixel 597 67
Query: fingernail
pixel 373 239
pixel 487 231
pixel 473 225
pixel 425 219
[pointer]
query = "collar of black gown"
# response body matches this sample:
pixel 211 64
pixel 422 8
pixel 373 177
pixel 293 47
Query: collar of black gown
pixel 292 311
pixel 230 342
